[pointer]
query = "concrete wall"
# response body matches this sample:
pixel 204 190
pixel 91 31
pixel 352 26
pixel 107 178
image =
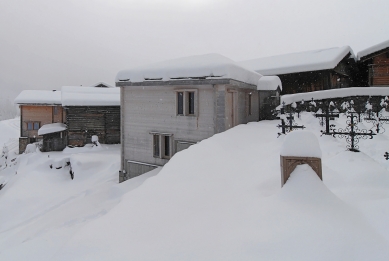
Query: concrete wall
pixel 152 109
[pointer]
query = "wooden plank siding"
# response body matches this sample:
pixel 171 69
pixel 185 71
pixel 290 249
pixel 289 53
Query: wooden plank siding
pixel 338 77
pixel 44 114
pixel 379 70
pixel 85 121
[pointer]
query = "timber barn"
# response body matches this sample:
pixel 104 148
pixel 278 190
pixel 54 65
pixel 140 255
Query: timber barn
pixel 37 108
pixel 373 64
pixel 309 71
pixel 91 111
pixel 168 106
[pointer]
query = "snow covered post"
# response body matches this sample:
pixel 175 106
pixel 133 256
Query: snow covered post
pixel 300 147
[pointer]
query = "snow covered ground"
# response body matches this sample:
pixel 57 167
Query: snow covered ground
pixel 220 199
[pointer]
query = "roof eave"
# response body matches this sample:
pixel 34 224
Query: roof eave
pixel 187 82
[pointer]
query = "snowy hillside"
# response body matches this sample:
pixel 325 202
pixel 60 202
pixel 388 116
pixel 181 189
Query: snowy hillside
pixel 218 200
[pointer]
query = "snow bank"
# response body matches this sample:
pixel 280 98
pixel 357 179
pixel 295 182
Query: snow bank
pixel 373 49
pixel 38 97
pixel 30 148
pixel 269 83
pixel 90 96
pixel 301 143
pixel 299 62
pixel 335 93
pixel 209 66
pixel 51 128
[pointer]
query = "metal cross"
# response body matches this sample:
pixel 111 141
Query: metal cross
pixel 327 116
pixel 290 125
pixel 352 133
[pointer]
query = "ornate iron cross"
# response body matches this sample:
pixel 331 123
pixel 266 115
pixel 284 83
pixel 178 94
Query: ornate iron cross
pixel 352 133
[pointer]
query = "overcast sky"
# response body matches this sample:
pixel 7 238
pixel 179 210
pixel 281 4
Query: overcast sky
pixel 46 44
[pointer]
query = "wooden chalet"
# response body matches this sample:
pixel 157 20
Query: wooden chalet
pixel 37 108
pixel 169 106
pixel 373 65
pixel 309 71
pixel 91 111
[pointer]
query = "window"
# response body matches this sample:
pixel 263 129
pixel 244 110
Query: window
pixel 55 110
pixel 156 145
pixel 186 102
pixel 249 103
pixel 31 125
pixel 166 146
pixel 191 103
pixel 162 145
pixel 180 103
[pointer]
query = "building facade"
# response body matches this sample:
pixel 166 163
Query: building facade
pixel 37 108
pixel 373 64
pixel 164 115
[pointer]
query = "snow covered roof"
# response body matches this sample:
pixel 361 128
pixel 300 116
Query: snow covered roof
pixel 51 128
pixel 208 66
pixel 38 97
pixel 90 96
pixel 269 83
pixel 373 49
pixel 335 93
pixel 103 84
pixel 299 62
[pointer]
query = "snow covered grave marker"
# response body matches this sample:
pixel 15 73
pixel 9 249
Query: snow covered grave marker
pixel 300 147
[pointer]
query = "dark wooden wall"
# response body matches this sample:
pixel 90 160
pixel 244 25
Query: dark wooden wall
pixel 338 77
pixel 379 70
pixel 85 121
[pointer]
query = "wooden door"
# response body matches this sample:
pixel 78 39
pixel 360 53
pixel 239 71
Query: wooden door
pixel 231 109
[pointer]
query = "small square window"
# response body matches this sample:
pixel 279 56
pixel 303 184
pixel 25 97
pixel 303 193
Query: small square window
pixel 36 125
pixel 29 125
pixel 186 103
pixel 162 145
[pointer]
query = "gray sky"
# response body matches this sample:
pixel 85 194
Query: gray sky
pixel 48 44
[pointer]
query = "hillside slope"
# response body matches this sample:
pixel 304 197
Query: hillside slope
pixel 218 200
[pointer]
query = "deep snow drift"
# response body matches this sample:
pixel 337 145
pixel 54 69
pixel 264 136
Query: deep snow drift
pixel 220 199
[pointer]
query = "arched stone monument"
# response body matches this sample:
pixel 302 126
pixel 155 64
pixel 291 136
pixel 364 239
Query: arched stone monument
pixel 300 147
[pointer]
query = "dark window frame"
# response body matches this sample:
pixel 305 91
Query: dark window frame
pixel 180 103
pixel 37 125
pixel 187 102
pixel 162 145
pixel 33 125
